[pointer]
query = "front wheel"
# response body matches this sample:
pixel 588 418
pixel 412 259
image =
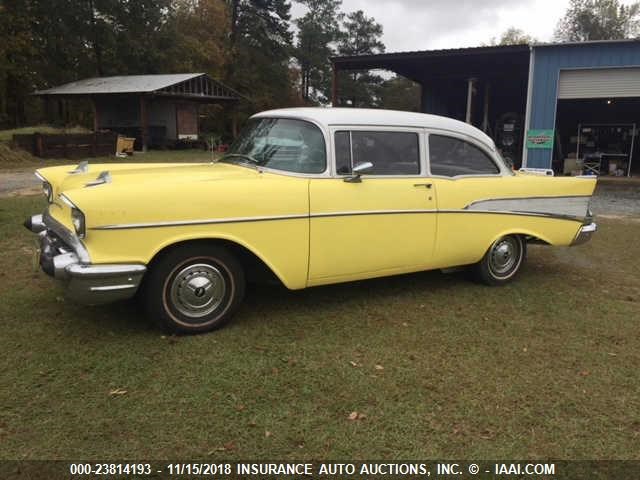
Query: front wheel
pixel 194 288
pixel 502 261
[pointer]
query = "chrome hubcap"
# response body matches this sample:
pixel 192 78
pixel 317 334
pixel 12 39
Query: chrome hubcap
pixel 504 255
pixel 197 290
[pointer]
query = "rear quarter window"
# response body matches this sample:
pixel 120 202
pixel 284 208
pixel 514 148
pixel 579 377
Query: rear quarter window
pixel 450 157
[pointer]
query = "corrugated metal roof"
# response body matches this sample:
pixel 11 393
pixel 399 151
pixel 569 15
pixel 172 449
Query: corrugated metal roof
pixel 436 53
pixel 588 42
pixel 119 84
pixel 473 50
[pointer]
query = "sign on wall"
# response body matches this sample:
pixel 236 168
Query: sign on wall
pixel 540 138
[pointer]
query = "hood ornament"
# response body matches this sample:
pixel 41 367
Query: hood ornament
pixel 83 167
pixel 104 177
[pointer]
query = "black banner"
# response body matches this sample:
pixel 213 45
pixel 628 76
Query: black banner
pixel 326 470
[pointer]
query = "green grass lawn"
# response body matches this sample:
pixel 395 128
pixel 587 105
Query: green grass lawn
pixel 438 367
pixel 7 135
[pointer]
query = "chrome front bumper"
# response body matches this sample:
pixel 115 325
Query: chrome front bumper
pixel 63 257
pixel 584 234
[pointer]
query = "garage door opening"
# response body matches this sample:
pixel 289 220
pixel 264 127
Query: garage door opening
pixel 597 136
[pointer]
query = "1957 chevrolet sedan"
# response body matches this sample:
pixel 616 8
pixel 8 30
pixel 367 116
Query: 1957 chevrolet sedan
pixel 313 196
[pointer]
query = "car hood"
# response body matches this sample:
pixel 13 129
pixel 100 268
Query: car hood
pixel 65 179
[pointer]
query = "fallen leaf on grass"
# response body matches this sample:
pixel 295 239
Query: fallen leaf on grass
pixel 267 433
pixel 117 391
pixel 487 435
pixel 227 447
pixel 584 373
pixel 356 416
pixel 354 364
pixel 379 367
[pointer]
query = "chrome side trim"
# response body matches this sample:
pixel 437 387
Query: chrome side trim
pixel 209 221
pixel 39 177
pixel 584 234
pixel 482 212
pixel 356 213
pixel 67 237
pixel 523 214
pixel 215 221
pixel 572 206
pixel 525 198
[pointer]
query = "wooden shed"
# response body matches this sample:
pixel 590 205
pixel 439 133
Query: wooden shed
pixel 158 110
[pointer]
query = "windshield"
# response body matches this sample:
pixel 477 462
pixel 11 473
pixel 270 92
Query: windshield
pixel 280 143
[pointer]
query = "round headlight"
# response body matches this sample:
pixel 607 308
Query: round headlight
pixel 47 189
pixel 77 218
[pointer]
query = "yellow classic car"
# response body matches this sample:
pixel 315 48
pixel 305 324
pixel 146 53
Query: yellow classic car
pixel 312 196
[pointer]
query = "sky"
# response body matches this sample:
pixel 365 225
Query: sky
pixel 434 24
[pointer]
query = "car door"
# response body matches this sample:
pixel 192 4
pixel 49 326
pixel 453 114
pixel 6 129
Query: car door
pixel 466 173
pixel 382 224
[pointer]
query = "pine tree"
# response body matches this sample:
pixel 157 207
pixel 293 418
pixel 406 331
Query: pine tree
pixel 361 37
pixel 260 50
pixel 318 31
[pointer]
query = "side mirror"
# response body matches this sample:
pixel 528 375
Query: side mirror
pixel 357 171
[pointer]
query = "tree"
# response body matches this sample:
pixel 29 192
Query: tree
pixel 41 43
pixel 318 30
pixel 361 36
pixel 399 93
pixel 513 36
pixel 598 20
pixel 201 28
pixel 260 50
pixel 144 36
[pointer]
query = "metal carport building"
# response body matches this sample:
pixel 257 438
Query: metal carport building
pixel 571 101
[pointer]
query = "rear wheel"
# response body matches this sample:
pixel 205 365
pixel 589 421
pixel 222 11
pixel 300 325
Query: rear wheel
pixel 194 288
pixel 503 260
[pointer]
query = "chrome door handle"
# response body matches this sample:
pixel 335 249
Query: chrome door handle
pixel 427 185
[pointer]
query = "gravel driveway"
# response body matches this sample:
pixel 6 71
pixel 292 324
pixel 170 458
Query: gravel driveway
pixel 616 200
pixel 19 182
pixel 611 199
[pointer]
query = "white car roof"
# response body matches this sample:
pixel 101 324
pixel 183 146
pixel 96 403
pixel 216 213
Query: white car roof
pixel 378 117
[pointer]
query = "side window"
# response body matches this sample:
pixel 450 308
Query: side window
pixel 391 153
pixel 450 157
